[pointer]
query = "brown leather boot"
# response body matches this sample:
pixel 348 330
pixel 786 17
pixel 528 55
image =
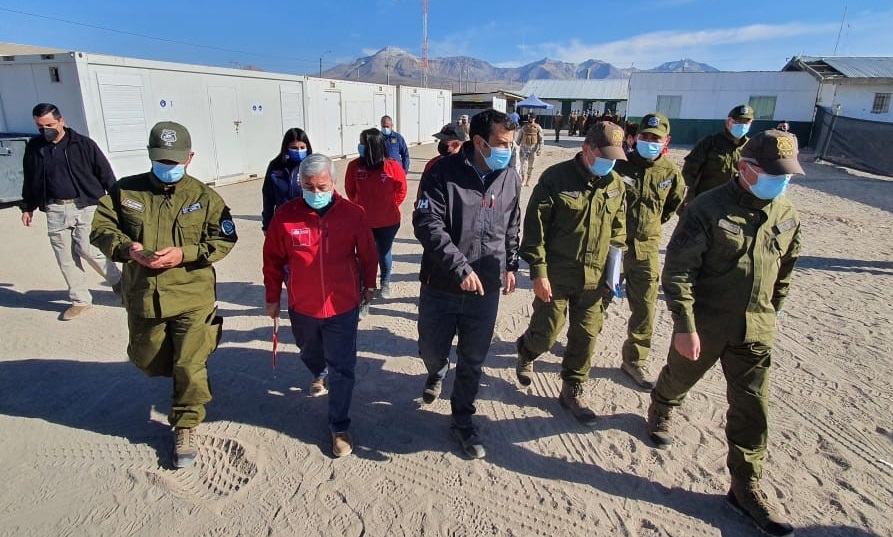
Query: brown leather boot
pixel 573 399
pixel 748 498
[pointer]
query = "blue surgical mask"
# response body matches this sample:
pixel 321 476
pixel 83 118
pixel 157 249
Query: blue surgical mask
pixel 361 149
pixel 738 130
pixel 386 131
pixel 297 155
pixel 317 200
pixel 168 173
pixel 649 150
pixel 499 157
pixel 769 187
pixel 602 166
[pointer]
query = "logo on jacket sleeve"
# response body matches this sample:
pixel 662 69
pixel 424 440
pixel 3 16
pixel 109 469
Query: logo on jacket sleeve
pixel 422 205
pixel 227 227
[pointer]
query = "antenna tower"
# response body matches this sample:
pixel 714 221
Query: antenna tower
pixel 424 43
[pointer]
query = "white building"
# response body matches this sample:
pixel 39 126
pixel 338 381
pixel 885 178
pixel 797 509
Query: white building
pixel 580 95
pixel 855 87
pixel 698 103
pixel 236 117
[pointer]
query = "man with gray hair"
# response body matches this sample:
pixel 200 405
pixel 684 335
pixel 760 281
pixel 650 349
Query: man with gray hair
pixel 325 319
pixel 397 149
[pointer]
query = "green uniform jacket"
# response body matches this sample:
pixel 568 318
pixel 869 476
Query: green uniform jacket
pixel 654 190
pixel 193 217
pixel 729 263
pixel 712 162
pixel 572 217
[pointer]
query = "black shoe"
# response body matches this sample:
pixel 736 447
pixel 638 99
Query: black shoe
pixel 432 390
pixel 469 441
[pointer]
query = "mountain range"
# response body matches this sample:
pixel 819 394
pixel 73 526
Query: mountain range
pixel 397 66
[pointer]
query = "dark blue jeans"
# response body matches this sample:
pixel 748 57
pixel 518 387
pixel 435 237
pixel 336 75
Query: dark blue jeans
pixel 331 344
pixel 384 240
pixel 443 315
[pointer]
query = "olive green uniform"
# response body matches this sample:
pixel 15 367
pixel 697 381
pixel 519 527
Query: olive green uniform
pixel 654 190
pixel 712 162
pixel 571 220
pixel 726 275
pixel 171 312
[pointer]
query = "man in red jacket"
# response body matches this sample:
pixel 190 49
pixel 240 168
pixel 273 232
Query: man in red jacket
pixel 327 244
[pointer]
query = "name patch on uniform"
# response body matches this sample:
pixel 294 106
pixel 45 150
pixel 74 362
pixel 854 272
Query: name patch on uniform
pixel 227 227
pixel 300 237
pixel 629 180
pixel 131 204
pixel 734 229
pixel 665 184
pixel 194 207
pixel 785 226
pixel 614 192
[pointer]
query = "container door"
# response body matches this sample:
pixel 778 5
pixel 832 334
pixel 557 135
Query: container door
pixel 291 99
pixel 225 124
pixel 331 135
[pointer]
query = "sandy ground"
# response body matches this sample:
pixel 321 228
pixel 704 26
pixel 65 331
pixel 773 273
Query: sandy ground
pixel 85 448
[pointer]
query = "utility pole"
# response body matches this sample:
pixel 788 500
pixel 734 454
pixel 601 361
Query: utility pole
pixel 424 43
pixel 841 30
pixel 320 61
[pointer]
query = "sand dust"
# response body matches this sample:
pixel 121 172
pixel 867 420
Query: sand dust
pixel 85 447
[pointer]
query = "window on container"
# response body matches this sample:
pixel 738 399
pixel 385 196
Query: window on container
pixel 763 106
pixel 669 105
pixel 881 103
pixel 54 75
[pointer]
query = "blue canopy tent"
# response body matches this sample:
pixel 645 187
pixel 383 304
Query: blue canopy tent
pixel 533 102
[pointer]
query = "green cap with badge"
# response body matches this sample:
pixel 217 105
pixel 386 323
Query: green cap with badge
pixel 169 141
pixel 775 151
pixel 741 111
pixel 608 138
pixel 655 123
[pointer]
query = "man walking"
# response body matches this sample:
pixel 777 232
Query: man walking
pixel 397 148
pixel 574 214
pixel 326 244
pixel 557 124
pixel 168 228
pixel 654 190
pixel 713 161
pixel 726 276
pixel 530 142
pixel 65 175
pixel 467 219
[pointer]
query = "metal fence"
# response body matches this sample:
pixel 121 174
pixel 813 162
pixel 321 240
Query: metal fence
pixel 855 143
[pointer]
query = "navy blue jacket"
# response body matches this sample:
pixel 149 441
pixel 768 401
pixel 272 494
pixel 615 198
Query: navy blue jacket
pixel 397 149
pixel 282 183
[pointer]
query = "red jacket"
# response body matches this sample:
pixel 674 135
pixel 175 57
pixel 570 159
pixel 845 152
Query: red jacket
pixel 379 191
pixel 328 257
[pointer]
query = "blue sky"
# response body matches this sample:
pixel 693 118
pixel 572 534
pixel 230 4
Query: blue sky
pixel 291 37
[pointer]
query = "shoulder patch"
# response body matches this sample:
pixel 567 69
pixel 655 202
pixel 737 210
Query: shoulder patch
pixel 133 205
pixel 686 234
pixel 422 205
pixel 227 227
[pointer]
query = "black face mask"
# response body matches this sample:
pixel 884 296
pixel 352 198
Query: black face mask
pixel 49 134
pixel 443 149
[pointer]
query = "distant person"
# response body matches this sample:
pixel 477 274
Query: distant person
pixel 574 215
pixel 462 128
pixel 572 123
pixel 654 190
pixel 470 251
pixel 726 277
pixel 557 124
pixel 515 117
pixel 326 243
pixel 396 145
pixel 713 161
pixel 449 142
pixel 65 175
pixel 377 183
pixel 281 181
pixel 630 134
pixel 784 126
pixel 530 143
pixel 588 122
pixel 169 228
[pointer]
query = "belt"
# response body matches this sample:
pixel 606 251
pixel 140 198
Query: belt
pixel 53 201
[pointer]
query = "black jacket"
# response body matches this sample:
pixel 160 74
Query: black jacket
pixel 467 224
pixel 281 185
pixel 91 171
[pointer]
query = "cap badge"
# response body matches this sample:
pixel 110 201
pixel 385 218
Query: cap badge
pixel 616 137
pixel 653 121
pixel 168 136
pixel 743 110
pixel 785 146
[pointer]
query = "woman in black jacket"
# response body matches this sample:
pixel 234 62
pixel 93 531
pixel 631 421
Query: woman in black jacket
pixel 282 182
